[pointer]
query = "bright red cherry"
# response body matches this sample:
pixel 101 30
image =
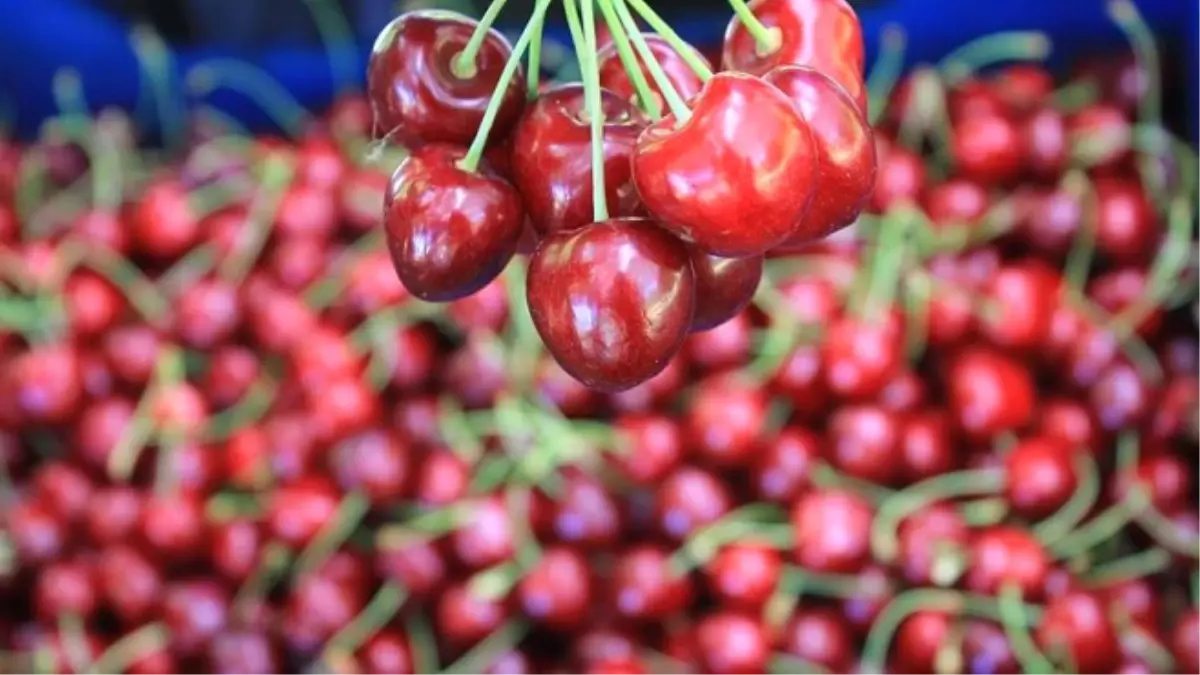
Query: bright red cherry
pixel 745 575
pixel 450 231
pixel 422 94
pixel 738 176
pixel 899 178
pixel 612 301
pixel 163 222
pixel 987 148
pixel 725 419
pixel 643 586
pixel 861 354
pixel 863 441
pixel 557 591
pixel 683 78
pixel 1024 295
pixel 1040 476
pixel 989 393
pixel 931 544
pixel 1126 227
pixel 1077 624
pixel 785 464
pixel 1005 555
pixel 832 529
pixel 728 642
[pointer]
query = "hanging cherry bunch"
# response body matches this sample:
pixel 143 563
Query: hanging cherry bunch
pixel 648 194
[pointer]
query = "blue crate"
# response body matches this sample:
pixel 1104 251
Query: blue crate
pixel 38 37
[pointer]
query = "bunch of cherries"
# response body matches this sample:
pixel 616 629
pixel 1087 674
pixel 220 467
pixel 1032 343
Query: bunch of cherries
pixel 649 193
pixel 958 437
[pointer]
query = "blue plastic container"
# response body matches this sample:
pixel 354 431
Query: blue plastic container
pixel 38 37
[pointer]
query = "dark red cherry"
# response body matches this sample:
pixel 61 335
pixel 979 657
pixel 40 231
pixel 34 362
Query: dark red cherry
pixel 863 441
pixel 987 148
pixel 462 619
pixel 1040 476
pixel 421 94
pixel 450 230
pixel 989 393
pixel 65 587
pixel 652 447
pixel 643 586
pixel 724 286
pixel 585 513
pixel 417 565
pixel 1005 555
pixel 174 526
pixel 682 77
pixel 899 178
pixel 932 545
pixel 1121 398
pixel 195 611
pixel 861 355
pixel 163 222
pixel 612 301
pixel 556 593
pixel 129 584
pixel 43 384
pixel 551 158
pixel 1077 626
pixel 689 499
pixel 376 463
pixel 296 512
pixel 232 371
pixel 1185 641
pixel 785 464
pixel 728 642
pixel 832 531
pixel 927 446
pixel 1045 143
pixel 725 418
pixel 113 514
pixel 743 576
pixel 1126 227
pixel 919 640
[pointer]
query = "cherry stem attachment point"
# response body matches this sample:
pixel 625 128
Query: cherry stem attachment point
pixel 917 496
pixel 463 66
pixel 767 38
pixel 373 618
pixel 474 154
pixel 690 56
pixel 646 98
pixel 332 534
pixel 988 50
pixel 675 102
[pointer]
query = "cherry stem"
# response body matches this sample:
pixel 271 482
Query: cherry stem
pixel 1165 534
pixel 646 97
pixel 253 405
pixel 1059 525
pixel 752 522
pixel 1075 96
pixel 595 108
pixel 1016 623
pixel 145 297
pixel 73 636
pixel 883 77
pixel 373 618
pixel 826 476
pixel 1164 273
pixel 481 657
pixel 1102 527
pixel 30 190
pixel 124 455
pixel 1142 643
pixel 156 68
pixel 470 162
pixel 1149 110
pixel 1142 564
pixel 985 511
pixel 534 73
pixel 675 102
pixel 988 50
pixel 422 643
pixel 1138 352
pixel 768 39
pixel 332 534
pixel 917 298
pixel 427 524
pixel 186 271
pixel 131 648
pixel 799 581
pixel 887 264
pixel 254 83
pixel 917 496
pixel 690 56
pixel 276 176
pixel 271 566
pixel 463 66
pixel 1083 248
pixel 339 42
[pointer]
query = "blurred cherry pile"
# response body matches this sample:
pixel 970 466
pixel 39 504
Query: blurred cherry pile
pixel 958 436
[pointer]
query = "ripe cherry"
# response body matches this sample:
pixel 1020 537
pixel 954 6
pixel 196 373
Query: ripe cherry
pixel 130 585
pixel 296 512
pixel 66 586
pixel 113 514
pixel 486 538
pixel 441 479
pixel 1126 227
pixel 207 313
pixel 162 220
pixel 919 640
pixel 832 531
pixel 819 636
pixel 450 230
pixel 245 651
pixel 652 447
pixel 743 576
pixel 735 178
pixel 644 588
pixel 927 446
pixel 462 619
pixel 987 148
pixel 1077 625
pixel 417 565
pixel 861 354
pixel 682 77
pixel 724 286
pixel 195 610
pixel 931 544
pixel 689 499
pixel 1185 641
pixel 899 179
pixel 421 93
pixel 376 463
pixel 174 526
pixel 728 642
pixel 785 464
pixel 43 384
pixel 1044 142
pixel 557 592
pixel 551 158
pixel 1024 295
pixel 232 371
pixel 612 301
pixel 585 514
pixel 1004 555
pixel 93 304
pixel 864 441
pixel 725 420
pixel 989 393
pixel 1040 476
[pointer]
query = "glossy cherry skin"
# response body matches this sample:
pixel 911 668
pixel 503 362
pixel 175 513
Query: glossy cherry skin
pixel 987 148
pixel 1077 623
pixel 832 529
pixel 615 78
pixel 863 441
pixel 1024 295
pixel 729 642
pixel 163 223
pixel 861 355
pixel 820 636
pixel 643 586
pixel 724 287
pixel 738 176
pixel 899 178
pixel 414 91
pixel 612 301
pixel 1185 642
pixel 725 418
pixel 844 145
pixel 449 231
pixel 1040 476
pixel 43 385
pixel 822 34
pixel 785 464
pixel 1045 144
pixel 1004 555
pixel 989 392
pixel 918 641
pixel 743 576
pixel 557 591
pixel 551 158
pixel 688 500
pixel 929 543
pixel 1126 227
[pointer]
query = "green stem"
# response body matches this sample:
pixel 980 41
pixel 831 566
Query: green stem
pixel 332 534
pixel 791 664
pixel 826 476
pixel 142 293
pixel 646 97
pixel 338 38
pixel 1149 111
pixel 984 512
pixel 534 73
pixel 423 644
pixel 690 56
pixel 254 83
pixel 1016 626
pixel 1164 273
pixel 463 66
pixel 156 68
pixel 1165 534
pixel 277 175
pixel 988 50
pixel 886 72
pixel 768 39
pixel 674 101
pixel 72 634
pixel 271 566
pixel 919 495
pixel 1143 564
pixel 470 162
pixel 1076 96
pixel 595 109
pixel 373 618
pixel 131 648
pixel 481 657
pixel 73 111
pixel 1064 521
pixel 1083 249
pixel 30 190
pixel 187 270
pixel 252 407
pixel 1102 527
pixel 799 581
pixel 887 264
pixel 879 639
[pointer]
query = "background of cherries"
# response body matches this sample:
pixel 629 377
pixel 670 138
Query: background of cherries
pixel 962 441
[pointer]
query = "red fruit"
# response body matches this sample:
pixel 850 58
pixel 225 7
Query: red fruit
pixel 585 514
pixel 462 619
pixel 1002 556
pixel 732 643
pixel 1045 143
pixel 417 93
pixel 486 537
pixel 376 463
pixel 1040 476
pixel 927 446
pixel 735 178
pixel 1022 86
pixel 682 77
pixel 919 641
pixel 64 489
pixel 195 611
pixel 989 393
pixel 832 531
pixel 864 442
pixel 1122 398
pixel 743 576
pixel 418 566
pixel 819 636
pixel 785 464
pixel 861 355
pixel 1126 227
pixel 246 651
pixel 442 479
pixel 207 313
pixel 644 588
pixel 113 514
pixel 1077 623
pixel 130 585
pixel 724 287
pixel 725 419
pixel 612 301
pixel 450 231
pixel 1024 296
pixel 932 543
pixel 987 148
pixel 1185 642
pixel 653 447
pixel 174 527
pixel 93 305
pixel 296 512
pixel 132 352
pixel 65 587
pixel 43 384
pixel 162 221
pixel 689 499
pixel 232 371
pixel 237 546
pixel 556 593
pixel 958 203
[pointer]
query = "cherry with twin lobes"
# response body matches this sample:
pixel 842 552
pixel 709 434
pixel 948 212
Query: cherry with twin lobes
pixel 648 223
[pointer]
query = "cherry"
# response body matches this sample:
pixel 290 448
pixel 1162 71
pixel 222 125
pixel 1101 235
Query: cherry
pixel 486 538
pixel 551 158
pixel 985 649
pixel 64 488
pixel 130 585
pixel 785 463
pixel 989 393
pixel 682 77
pixel 1184 642
pixel 296 512
pixel 864 441
pixel 832 531
pixel 236 548
pixel 987 148
pixel 113 514
pixel 956 202
pixel 975 98
pixel 622 666
pixel 585 513
pixel 926 445
pixel 232 371
pixel 1039 476
pixel 1118 289
pixel 375 462
pixel 417 565
pixel 689 499
pixel 1126 228
pixel 1108 124
pixel 603 646
pixel 1077 624
pixel 297 261
pixel 844 148
pixel 861 355
pixel 1022 87
pixel 65 586
pixel 179 408
pixel 207 313
pixel 93 304
pixel 557 592
pixel 162 221
pixel 735 178
pixel 1167 479
pixel 195 610
pixel 486 310
pixel 1179 356
pixel 724 287
pixel 347 406
pixel 725 420
pixel 43 383
pixel 132 352
pixel 1003 555
pixel 1135 600
pixel 317 606
pixel 245 651
pixel 819 636
pixel 1051 222
pixel 743 576
pixel 728 642
pixel 450 230
pixel 591 292
pixel 644 588
pixel 1044 142
pixel 462 619
pixel 918 641
pixel 442 479
pixel 822 34
pixel 173 526
pixel 1024 295
pixel 1175 416
pixel 652 447
pixel 564 392
pixel 419 91
pixel 1121 398
pixel 929 543
pixel 371 284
